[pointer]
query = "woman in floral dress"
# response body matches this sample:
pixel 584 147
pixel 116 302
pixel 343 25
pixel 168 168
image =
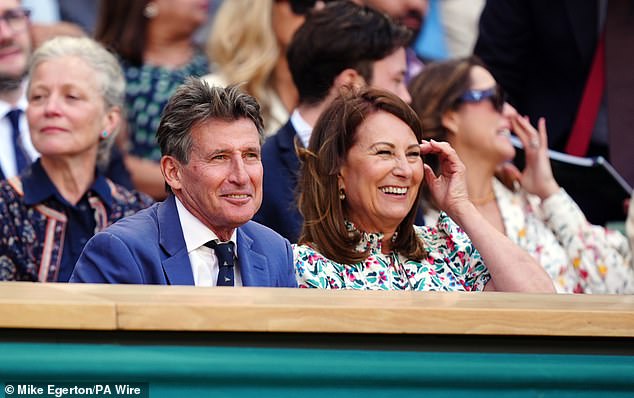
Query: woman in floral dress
pixel 360 185
pixel 459 102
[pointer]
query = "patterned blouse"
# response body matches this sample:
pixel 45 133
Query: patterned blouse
pixel 32 236
pixel 578 256
pixel 148 88
pixel 452 264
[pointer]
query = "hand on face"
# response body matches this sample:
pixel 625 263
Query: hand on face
pixel 449 187
pixel 537 176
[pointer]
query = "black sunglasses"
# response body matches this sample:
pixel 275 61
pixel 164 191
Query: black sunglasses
pixel 493 94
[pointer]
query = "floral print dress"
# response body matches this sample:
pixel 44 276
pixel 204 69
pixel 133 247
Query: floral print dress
pixel 451 264
pixel 578 256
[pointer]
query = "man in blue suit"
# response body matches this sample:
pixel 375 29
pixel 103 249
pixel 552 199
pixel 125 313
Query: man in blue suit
pixel 340 45
pixel 201 235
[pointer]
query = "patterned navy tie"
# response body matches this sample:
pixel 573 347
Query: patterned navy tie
pixel 225 254
pixel 21 159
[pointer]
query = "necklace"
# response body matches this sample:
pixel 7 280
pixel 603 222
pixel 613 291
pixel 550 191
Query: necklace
pixel 484 200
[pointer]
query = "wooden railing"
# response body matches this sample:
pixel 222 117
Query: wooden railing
pixel 179 308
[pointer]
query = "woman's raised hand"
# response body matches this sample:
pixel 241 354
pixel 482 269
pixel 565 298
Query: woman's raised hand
pixel 537 176
pixel 449 188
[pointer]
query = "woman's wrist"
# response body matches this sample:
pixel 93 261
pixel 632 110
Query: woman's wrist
pixel 460 212
pixel 548 189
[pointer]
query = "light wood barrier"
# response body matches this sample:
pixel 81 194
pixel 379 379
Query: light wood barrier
pixel 181 308
pixel 187 341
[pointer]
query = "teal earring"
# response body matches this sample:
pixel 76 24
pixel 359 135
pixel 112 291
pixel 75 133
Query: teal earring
pixel 104 134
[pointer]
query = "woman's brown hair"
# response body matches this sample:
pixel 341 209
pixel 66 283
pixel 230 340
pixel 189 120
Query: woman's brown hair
pixel 437 89
pixel 121 28
pixel 324 213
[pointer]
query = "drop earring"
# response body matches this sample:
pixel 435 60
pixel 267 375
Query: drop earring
pixel 151 10
pixel 342 194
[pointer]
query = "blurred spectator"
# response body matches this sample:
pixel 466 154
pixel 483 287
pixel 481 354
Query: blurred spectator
pixel 450 30
pixel 57 203
pixel 411 14
pixel 341 45
pixel 430 44
pixel 154 42
pixel 80 12
pixel 47 22
pixel 544 52
pixel 248 45
pixel 16 149
pixel 459 102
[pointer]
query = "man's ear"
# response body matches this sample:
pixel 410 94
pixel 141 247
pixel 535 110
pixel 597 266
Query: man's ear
pixel 171 169
pixel 348 78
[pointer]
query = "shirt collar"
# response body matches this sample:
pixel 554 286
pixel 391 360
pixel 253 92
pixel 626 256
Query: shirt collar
pixel 370 241
pixel 22 103
pixel 196 233
pixel 301 126
pixel 38 186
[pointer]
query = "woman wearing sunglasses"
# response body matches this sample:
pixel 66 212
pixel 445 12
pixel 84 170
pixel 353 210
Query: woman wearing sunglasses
pixel 459 102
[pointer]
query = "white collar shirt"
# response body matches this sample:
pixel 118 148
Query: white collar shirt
pixel 7 154
pixel 203 259
pixel 303 129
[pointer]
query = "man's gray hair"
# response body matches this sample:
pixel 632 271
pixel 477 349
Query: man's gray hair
pixel 195 102
pixel 110 78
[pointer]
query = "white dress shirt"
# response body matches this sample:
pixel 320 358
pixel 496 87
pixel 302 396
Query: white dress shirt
pixel 7 154
pixel 203 260
pixel 301 126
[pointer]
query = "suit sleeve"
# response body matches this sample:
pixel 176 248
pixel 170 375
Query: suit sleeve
pixel 107 259
pixel 504 42
pixel 289 279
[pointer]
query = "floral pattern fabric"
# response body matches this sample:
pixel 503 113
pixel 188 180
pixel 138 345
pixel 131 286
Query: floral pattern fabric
pixel 32 236
pixel 451 264
pixel 578 256
pixel 148 88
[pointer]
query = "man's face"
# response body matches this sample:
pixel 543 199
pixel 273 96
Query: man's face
pixel 15 42
pixel 389 74
pixel 222 182
pixel 410 13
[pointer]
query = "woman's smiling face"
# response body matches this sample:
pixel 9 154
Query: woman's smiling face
pixel 381 174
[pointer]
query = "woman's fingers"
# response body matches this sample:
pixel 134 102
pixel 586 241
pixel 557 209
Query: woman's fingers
pixel 543 134
pixel 528 135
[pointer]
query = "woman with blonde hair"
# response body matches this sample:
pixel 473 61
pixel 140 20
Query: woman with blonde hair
pixel 247 44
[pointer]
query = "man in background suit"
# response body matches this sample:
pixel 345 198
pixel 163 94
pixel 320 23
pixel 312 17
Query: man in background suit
pixel 15 49
pixel 201 235
pixel 342 44
pixel 541 52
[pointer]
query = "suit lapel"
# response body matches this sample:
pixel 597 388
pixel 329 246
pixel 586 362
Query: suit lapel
pixel 286 142
pixel 176 265
pixel 253 265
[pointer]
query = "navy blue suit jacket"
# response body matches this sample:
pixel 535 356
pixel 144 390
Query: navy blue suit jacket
pixel 281 170
pixel 149 248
